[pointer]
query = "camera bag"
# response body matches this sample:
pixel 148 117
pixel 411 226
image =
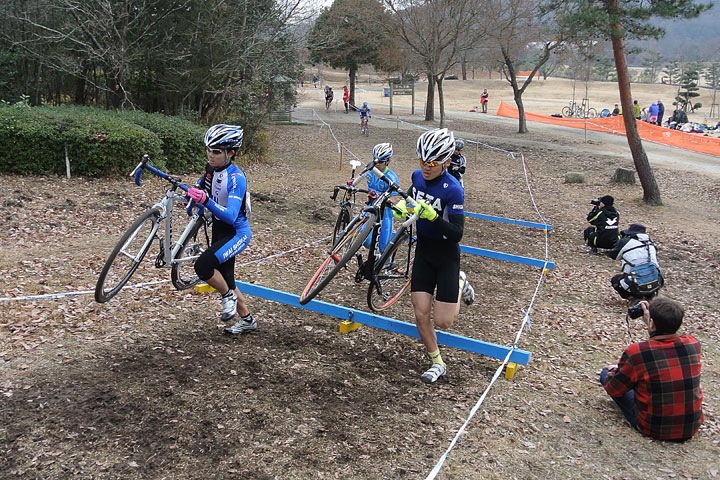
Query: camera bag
pixel 643 279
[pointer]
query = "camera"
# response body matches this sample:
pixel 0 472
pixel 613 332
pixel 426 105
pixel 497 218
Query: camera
pixel 595 202
pixel 635 311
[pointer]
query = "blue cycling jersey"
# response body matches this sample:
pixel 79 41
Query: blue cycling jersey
pixel 443 193
pixel 364 112
pixel 229 199
pixel 376 185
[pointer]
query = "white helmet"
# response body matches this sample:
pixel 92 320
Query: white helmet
pixel 224 136
pixel 436 145
pixel 382 152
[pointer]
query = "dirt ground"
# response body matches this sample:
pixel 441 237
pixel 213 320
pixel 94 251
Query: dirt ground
pixel 147 386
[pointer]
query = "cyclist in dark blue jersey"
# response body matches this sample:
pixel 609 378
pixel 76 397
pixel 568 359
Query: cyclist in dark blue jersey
pixel 436 269
pixel 223 191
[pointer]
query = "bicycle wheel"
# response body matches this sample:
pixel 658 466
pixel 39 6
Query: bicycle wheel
pixel 342 251
pixel 183 274
pixel 127 255
pixel 391 277
pixel 566 112
pixel 341 224
pixel 591 113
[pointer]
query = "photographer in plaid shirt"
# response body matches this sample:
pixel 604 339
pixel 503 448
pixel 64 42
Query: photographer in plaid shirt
pixel 657 381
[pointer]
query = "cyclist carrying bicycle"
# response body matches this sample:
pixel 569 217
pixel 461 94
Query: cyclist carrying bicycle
pixel 223 191
pixel 436 269
pixel 381 154
pixel 365 113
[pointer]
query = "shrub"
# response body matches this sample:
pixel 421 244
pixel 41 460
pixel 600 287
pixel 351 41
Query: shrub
pixel 182 140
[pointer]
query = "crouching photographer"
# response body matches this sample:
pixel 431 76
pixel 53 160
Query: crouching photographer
pixel 605 221
pixel 656 383
pixel 641 277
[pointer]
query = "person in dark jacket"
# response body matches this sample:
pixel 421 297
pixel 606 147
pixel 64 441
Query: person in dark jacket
pixel 661 112
pixel 604 219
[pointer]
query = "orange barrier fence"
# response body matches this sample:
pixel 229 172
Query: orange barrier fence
pixel 689 141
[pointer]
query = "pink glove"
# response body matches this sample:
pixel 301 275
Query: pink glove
pixel 198 195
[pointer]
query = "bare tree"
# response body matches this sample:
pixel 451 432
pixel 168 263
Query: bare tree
pixel 437 31
pixel 517 32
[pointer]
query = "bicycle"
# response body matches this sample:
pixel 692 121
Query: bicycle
pixel 134 244
pixel 388 279
pixel 347 204
pixel 364 126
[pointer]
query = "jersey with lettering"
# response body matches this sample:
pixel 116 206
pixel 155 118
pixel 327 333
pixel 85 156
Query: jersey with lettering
pixel 229 199
pixel 444 194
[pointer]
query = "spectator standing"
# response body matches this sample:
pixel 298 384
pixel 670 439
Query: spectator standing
pixel 636 110
pixel 315 80
pixel 656 383
pixel 652 113
pixel 346 98
pixel 484 96
pixel 661 112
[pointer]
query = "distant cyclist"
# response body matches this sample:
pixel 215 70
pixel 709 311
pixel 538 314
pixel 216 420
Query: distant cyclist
pixel 223 191
pixel 365 113
pixel 329 95
pixel 458 162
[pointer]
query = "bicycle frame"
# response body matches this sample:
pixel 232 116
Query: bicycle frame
pixel 135 243
pixel 166 206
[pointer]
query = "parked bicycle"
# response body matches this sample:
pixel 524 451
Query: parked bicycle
pixel 134 244
pixel 581 110
pixel 389 272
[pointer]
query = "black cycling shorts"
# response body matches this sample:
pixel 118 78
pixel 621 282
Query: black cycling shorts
pixel 437 266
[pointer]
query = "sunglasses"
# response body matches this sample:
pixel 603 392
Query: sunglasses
pixel 214 151
pixel 431 164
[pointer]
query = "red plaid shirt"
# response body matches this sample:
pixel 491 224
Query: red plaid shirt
pixel 664 371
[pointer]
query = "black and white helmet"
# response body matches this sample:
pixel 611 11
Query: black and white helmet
pixel 228 137
pixel 459 144
pixel 436 145
pixel 382 152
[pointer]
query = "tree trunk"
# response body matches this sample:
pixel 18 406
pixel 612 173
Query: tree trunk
pixel 522 121
pixel 441 101
pixel 651 192
pixel 352 73
pixel 430 101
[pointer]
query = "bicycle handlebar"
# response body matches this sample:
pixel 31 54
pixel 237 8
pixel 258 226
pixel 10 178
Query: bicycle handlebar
pixel 347 188
pixel 144 164
pixel 411 204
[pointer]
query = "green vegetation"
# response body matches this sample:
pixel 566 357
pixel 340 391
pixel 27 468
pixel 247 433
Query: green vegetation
pixel 36 140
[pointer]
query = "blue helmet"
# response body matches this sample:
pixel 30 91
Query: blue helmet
pixel 382 152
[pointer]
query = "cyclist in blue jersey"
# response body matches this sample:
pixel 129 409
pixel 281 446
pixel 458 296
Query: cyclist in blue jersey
pixel 436 269
pixel 223 191
pixel 381 158
pixel 365 113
